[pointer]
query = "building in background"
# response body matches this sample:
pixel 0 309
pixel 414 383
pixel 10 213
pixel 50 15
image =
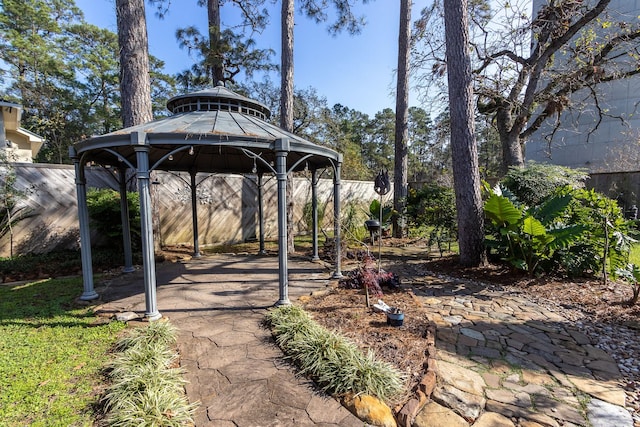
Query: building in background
pixel 606 145
pixel 20 145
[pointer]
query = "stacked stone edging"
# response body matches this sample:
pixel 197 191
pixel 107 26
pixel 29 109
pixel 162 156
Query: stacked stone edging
pixel 424 389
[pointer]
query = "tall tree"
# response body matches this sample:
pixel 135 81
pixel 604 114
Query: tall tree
pixel 463 144
pixel 423 152
pixel 286 65
pixel 135 84
pixel 61 69
pixel 97 66
pixel 317 11
pixel 286 99
pixel 520 67
pixel 346 131
pixel 223 53
pixel 378 141
pixel 400 168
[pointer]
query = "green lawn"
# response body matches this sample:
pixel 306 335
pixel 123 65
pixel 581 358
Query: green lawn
pixel 51 354
pixel 634 256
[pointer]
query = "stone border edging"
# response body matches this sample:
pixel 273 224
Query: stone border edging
pixel 424 389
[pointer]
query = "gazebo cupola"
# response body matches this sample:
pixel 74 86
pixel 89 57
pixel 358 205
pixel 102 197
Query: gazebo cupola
pixel 218 99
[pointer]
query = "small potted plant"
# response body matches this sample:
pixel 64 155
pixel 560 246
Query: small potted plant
pixel 395 316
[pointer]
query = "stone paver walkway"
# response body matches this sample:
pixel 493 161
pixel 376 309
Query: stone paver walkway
pixel 505 361
pixel 234 370
pixel 502 360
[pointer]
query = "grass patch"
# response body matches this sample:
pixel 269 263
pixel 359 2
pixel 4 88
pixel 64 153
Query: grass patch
pixel 59 263
pixel 336 364
pixel 634 254
pixel 147 388
pixel 51 354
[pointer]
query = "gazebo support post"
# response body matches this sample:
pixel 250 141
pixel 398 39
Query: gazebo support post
pixel 89 292
pixel 281 147
pixel 124 218
pixel 337 274
pixel 262 251
pixel 314 213
pixel 194 215
pixel 146 228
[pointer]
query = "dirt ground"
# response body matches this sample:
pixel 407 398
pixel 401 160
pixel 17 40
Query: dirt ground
pixel 345 310
pixel 600 302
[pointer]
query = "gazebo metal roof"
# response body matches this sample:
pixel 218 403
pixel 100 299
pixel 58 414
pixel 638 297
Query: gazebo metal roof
pixel 221 126
pixel 214 130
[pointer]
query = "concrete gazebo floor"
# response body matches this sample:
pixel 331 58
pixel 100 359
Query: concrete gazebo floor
pixel 234 369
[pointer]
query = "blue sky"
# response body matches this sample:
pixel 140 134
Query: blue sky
pixel 356 71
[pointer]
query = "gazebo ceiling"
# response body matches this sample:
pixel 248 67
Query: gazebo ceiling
pixel 210 128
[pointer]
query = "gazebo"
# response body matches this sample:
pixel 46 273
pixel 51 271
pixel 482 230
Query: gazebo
pixel 209 131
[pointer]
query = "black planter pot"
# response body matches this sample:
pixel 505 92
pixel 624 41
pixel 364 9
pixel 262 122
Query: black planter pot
pixel 372 224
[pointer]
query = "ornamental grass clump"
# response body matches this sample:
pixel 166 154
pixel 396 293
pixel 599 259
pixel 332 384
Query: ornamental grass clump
pixel 336 364
pixel 162 333
pixel 146 387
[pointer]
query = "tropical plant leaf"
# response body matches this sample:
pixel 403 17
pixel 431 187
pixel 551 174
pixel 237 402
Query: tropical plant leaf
pixel 617 260
pixel 630 273
pixel 533 227
pixel 552 208
pixel 501 211
pixel 566 236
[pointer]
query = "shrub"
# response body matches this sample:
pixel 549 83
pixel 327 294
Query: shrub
pixel 631 274
pixel 607 236
pixel 576 231
pixel 307 214
pixel 433 207
pixel 538 181
pixel 335 363
pixel 528 237
pixel 368 275
pixel 59 263
pixel 387 212
pixel 352 221
pixel 104 211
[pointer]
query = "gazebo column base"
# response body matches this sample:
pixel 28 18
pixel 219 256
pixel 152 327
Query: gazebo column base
pixel 89 296
pixel 152 317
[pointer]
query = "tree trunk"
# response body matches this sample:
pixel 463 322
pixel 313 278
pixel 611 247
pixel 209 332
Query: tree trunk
pixel 464 153
pixel 135 84
pixel 402 120
pixel 286 65
pixel 512 154
pixel 214 60
pixel 286 100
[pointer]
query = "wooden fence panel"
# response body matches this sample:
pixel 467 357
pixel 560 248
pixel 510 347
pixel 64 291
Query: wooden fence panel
pixel 227 206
